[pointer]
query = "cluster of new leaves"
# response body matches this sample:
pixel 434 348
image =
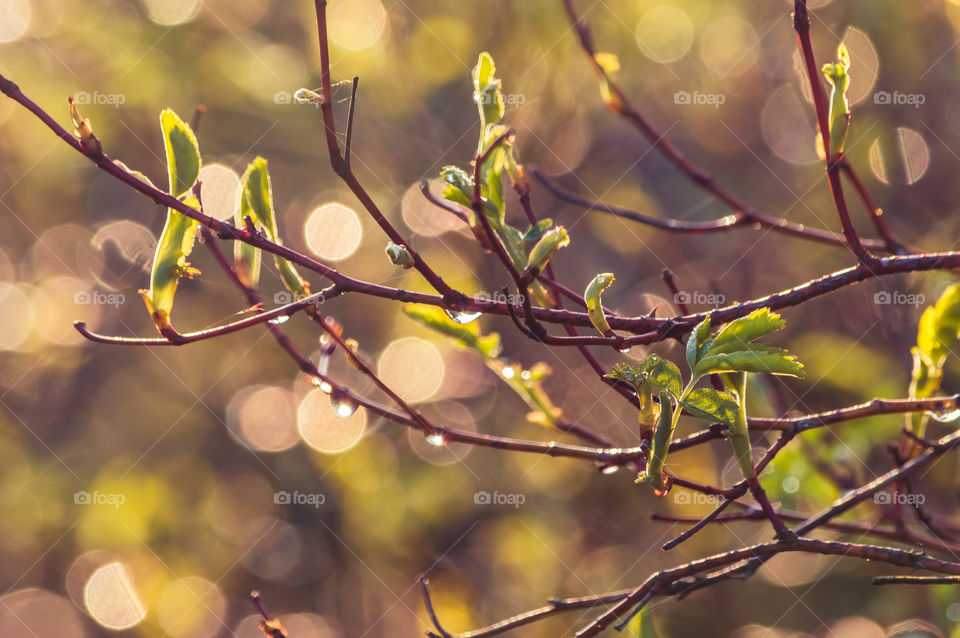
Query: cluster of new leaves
pixel 176 241
pixel 498 153
pixel 937 336
pixel 730 354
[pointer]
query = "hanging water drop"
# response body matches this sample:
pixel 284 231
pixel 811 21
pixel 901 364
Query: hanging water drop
pixel 343 405
pixel 436 440
pixel 608 469
pixel 462 317
pixel 279 320
pixel 624 350
pixel 945 416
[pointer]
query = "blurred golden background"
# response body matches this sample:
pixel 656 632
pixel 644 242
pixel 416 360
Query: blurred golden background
pixel 149 490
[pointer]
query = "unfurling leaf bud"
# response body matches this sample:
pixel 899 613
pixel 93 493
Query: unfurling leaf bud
pixel 594 305
pixel 839 79
pixel 399 255
pixel 552 241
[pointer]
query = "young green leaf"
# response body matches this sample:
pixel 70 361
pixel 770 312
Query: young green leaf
pixel 696 342
pixel 176 240
pixel 745 330
pixel 710 404
pixel 938 334
pixel 594 304
pixel 754 357
pixel 247 258
pixel 183 153
pixel 486 91
pixel 662 435
pixel 170 264
pixel 544 250
pixel 459 185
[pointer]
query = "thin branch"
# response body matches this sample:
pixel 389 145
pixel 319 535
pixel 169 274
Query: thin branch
pixel 621 105
pixel 801 24
pixel 734 221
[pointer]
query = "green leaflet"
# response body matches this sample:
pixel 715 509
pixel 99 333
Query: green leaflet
pixel 662 436
pixel 732 350
pixel 487 92
pixel 697 341
pixel 176 240
pixel 937 336
pixel 257 203
pixel 710 404
pixel 592 296
pixel 744 330
pixel 754 357
pixel 548 245
pixel 183 153
pixel 838 77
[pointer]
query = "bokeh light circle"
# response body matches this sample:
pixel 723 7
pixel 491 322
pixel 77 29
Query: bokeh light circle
pixel 124 253
pixel 14 19
pixel 333 231
pixel 263 418
pixel 412 367
pixel 111 599
pixel 357 24
pixel 664 34
pixel 220 190
pixel 729 46
pixel 171 12
pixel 323 430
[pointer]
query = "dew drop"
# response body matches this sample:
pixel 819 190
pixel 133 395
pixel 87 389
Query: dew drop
pixel 608 469
pixel 462 317
pixel 623 350
pixel 343 405
pixel 525 375
pixel 436 440
pixel 508 373
pixel 279 320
